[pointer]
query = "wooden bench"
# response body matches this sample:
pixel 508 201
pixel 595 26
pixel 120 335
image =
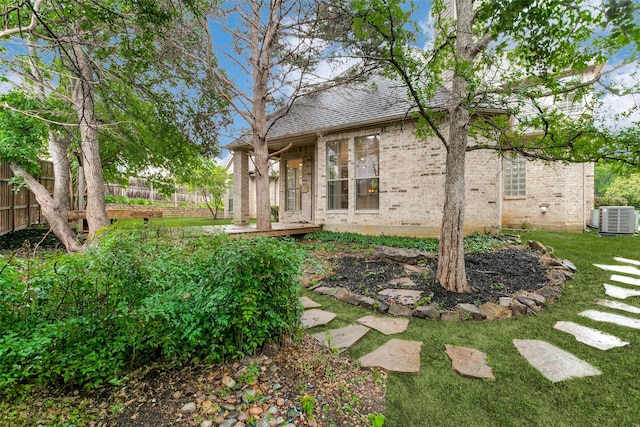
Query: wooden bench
pixel 115 214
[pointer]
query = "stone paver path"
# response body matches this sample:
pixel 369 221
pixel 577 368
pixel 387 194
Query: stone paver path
pixel 309 303
pixel 625 269
pixel 616 305
pixel 626 260
pixel 386 325
pixel 601 316
pixel 553 363
pixel 396 356
pixel 618 292
pixel 469 362
pixel 402 296
pixel 626 280
pixel 315 317
pixel 341 338
pixel 589 336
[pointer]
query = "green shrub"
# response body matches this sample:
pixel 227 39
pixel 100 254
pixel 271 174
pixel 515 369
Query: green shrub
pixel 275 213
pixel 135 297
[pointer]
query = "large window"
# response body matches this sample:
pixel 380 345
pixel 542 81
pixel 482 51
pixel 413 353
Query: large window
pixel 337 175
pixel 294 185
pixel 367 172
pixel 515 176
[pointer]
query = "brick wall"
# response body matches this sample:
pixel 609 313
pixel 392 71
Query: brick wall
pixel 411 186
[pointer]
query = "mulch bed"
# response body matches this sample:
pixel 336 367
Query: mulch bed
pixel 491 275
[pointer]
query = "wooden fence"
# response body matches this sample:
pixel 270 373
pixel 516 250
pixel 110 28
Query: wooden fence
pixel 20 210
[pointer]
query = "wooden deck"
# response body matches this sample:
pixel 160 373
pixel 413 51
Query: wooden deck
pixel 277 229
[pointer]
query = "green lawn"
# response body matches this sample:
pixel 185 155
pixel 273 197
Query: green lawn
pixel 519 395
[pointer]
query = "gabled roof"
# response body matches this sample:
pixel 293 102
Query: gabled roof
pixel 357 104
pixel 376 100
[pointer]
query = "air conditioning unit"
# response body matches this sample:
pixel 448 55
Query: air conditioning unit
pixel 616 220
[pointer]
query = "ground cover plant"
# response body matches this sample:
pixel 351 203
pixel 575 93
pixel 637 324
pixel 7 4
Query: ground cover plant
pixel 136 297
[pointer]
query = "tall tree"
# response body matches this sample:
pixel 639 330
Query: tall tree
pixel 79 54
pixel 272 56
pixel 515 58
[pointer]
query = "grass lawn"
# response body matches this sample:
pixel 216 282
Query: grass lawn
pixel 520 395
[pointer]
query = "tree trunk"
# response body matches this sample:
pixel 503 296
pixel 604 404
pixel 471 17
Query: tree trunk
pixel 50 210
pixel 451 272
pixel 261 52
pixel 83 93
pixel 61 187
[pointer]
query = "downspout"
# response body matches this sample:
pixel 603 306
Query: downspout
pixel 499 191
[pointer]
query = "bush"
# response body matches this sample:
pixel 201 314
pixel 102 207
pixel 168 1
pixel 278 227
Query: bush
pixel 86 319
pixel 275 213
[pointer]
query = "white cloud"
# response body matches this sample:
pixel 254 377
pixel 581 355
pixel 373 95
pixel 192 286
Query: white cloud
pixel 14 80
pixel 619 111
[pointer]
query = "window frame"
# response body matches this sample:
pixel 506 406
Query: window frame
pixel 297 188
pixel 341 151
pixel 370 168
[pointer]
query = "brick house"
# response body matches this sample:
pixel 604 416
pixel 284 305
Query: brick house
pixel 356 165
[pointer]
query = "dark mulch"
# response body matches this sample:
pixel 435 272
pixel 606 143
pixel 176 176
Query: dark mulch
pixel 491 276
pixel 30 239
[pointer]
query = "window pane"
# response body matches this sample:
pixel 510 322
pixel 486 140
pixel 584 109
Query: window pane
pixel 367 172
pixel 293 185
pixel 337 175
pixel 338 194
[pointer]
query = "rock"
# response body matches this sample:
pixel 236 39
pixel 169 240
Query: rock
pixel 293 413
pixel 177 395
pixel 228 407
pixel 590 336
pixel 555 364
pixel 231 422
pixel 469 362
pixel 189 408
pixel 366 302
pixel 255 411
pixel 402 296
pixel 518 308
pixel 431 311
pixel 325 290
pixel 403 282
pixel 342 294
pixel 395 356
pixel 385 325
pixel 539 299
pixel 550 292
pixel 450 316
pixel 308 303
pixel 405 256
pixel 537 246
pixel 495 311
pixel 271 349
pixel 530 303
pixel 315 317
pixel 272 410
pixel 228 381
pixel 280 401
pixel 400 310
pixel 341 338
pixel 354 299
pixel 557 277
pixel 505 301
pixel 471 311
pixel 206 423
pixel 262 423
pixel 415 269
pixel 571 266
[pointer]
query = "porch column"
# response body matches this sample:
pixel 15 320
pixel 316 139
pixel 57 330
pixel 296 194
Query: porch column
pixel 240 187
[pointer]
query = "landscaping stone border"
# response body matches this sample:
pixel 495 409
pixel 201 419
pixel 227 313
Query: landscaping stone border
pixel 523 303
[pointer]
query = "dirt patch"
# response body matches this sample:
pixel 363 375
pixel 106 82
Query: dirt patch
pixel 491 275
pixel 30 239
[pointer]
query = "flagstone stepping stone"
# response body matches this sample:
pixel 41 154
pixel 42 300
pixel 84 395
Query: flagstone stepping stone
pixel 315 317
pixel 601 316
pixel 625 279
pixel 403 282
pixel 618 292
pixel 414 269
pixel 589 336
pixel 341 338
pixel 619 306
pixel 402 296
pixel 396 356
pixel 386 325
pixel 469 362
pixel 625 269
pixel 309 303
pixel 553 363
pixel 626 260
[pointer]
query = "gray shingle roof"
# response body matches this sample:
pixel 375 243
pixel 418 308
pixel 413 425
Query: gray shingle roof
pixel 377 100
pixel 356 104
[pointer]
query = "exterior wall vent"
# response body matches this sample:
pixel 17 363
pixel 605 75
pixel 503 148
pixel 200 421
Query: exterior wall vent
pixel 616 220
